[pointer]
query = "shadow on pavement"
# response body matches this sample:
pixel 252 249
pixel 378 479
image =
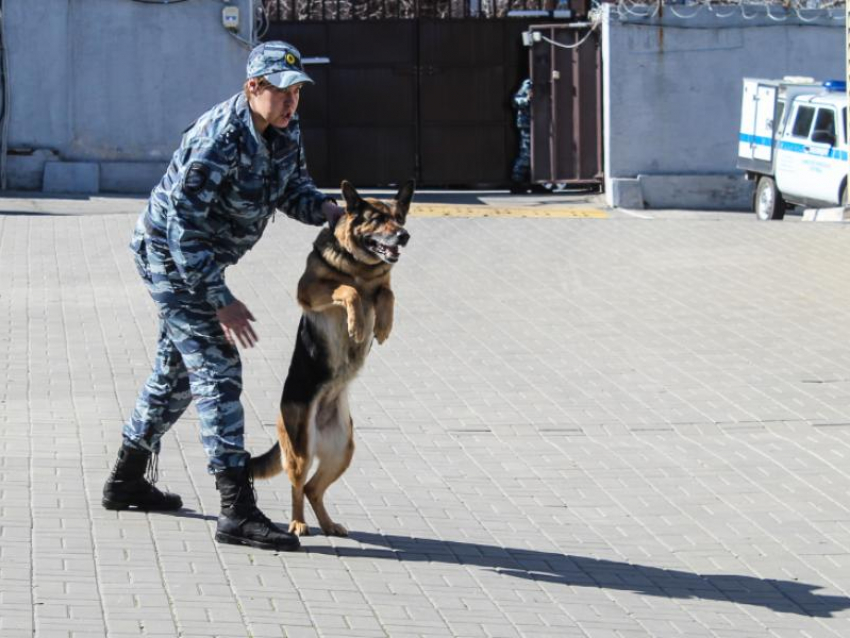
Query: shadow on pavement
pixel 189 513
pixel 546 567
pixel 32 213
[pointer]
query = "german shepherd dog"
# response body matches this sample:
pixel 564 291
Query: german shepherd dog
pixel 346 298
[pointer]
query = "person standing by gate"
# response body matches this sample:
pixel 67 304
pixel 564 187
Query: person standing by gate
pixel 236 165
pixel 521 173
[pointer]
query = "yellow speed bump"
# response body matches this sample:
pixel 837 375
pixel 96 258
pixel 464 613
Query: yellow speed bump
pixel 455 210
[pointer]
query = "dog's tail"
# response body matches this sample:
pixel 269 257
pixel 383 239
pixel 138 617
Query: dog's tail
pixel 268 464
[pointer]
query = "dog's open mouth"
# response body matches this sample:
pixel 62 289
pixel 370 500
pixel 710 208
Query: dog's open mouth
pixel 388 252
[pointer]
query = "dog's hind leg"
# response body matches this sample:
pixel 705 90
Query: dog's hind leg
pixel 327 473
pixel 334 451
pixel 297 469
pixel 297 524
pixel 293 436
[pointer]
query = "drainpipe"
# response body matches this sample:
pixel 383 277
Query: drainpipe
pixel 6 101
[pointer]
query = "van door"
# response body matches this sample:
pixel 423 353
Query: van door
pixel 758 124
pixel 792 173
pixel 764 124
pixel 824 162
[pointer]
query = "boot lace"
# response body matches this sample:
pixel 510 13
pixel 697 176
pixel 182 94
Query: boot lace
pixel 256 514
pixel 152 470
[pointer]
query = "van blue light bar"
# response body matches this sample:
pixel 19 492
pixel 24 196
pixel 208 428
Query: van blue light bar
pixel 835 85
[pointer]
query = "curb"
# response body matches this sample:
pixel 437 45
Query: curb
pixel 836 214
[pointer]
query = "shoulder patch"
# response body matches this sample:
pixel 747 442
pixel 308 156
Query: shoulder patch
pixel 196 177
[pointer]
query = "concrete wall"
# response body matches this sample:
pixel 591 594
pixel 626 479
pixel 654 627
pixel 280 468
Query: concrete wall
pixel 672 97
pixel 111 84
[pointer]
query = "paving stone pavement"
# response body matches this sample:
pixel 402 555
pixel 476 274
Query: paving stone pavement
pixel 588 428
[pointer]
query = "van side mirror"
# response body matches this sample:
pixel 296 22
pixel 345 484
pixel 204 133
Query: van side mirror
pixel 824 137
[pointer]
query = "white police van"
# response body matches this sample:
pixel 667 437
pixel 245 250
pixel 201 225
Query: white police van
pixel 793 143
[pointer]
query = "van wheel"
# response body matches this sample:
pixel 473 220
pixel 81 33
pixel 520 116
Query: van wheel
pixel 768 200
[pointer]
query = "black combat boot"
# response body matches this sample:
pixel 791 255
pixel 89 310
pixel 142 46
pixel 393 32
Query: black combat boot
pixel 241 522
pixel 127 486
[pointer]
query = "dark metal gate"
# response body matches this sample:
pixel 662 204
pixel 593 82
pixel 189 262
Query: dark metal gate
pixel 566 136
pixel 470 70
pixel 425 98
pixel 359 120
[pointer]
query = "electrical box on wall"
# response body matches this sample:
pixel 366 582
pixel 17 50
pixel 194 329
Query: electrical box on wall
pixel 230 18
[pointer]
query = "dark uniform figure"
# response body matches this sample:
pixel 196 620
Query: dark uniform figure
pixel 521 174
pixel 236 165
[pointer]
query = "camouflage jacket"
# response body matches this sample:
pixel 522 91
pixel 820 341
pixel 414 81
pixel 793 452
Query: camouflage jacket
pixel 215 200
pixel 522 104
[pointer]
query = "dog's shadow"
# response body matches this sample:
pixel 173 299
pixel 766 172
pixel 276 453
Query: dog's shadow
pixel 778 595
pixel 790 597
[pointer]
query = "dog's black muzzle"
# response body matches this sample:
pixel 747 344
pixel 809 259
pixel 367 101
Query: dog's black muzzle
pixel 401 237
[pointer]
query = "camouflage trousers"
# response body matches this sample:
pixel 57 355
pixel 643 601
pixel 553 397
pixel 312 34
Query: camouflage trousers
pixel 521 173
pixel 194 360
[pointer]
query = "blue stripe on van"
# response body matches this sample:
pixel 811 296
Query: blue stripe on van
pixel 793 147
pixel 754 139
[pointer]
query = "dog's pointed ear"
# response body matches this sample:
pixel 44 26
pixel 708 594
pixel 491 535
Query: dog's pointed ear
pixel 353 201
pixel 404 197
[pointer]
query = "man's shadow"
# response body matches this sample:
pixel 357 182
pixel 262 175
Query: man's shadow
pixel 783 596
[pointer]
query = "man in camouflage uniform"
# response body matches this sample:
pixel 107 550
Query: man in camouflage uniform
pixel 236 165
pixel 521 174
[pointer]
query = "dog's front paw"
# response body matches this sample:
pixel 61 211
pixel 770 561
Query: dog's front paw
pixel 356 331
pixel 334 529
pixel 382 333
pixel 299 528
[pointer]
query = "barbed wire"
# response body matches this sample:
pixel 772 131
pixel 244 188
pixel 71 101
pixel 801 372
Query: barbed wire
pixel 776 10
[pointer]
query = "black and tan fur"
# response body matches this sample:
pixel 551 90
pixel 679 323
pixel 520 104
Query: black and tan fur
pixel 346 298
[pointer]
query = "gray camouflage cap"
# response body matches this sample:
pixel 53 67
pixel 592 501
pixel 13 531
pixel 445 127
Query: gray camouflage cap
pixel 279 63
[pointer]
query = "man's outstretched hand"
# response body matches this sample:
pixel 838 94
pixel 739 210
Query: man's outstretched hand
pixel 332 212
pixel 235 320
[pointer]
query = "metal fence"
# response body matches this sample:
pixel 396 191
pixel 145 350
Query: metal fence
pixel 321 10
pixel 304 10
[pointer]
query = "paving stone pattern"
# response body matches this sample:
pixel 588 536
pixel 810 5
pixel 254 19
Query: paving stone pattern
pixel 590 428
